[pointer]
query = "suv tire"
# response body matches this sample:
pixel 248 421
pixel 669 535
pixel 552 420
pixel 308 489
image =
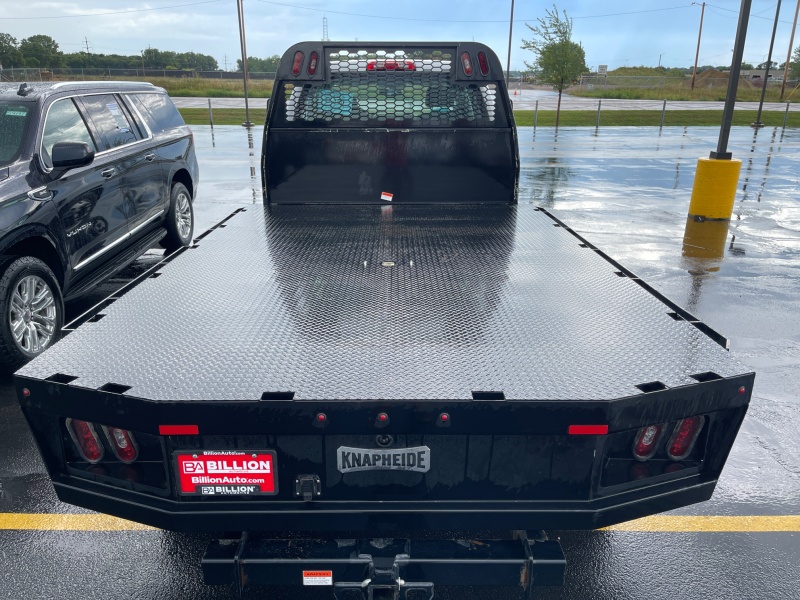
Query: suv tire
pixel 31 311
pixel 180 219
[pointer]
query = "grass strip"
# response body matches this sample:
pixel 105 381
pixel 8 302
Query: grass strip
pixel 547 118
pixel 651 118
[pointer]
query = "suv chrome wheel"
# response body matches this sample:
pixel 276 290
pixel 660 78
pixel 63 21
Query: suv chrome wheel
pixel 32 314
pixel 183 214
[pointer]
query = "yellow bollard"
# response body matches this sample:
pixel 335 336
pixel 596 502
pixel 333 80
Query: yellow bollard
pixel 714 188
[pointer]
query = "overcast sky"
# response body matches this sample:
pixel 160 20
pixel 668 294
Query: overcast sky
pixel 613 32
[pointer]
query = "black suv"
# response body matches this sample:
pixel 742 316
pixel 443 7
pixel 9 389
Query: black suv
pixel 92 174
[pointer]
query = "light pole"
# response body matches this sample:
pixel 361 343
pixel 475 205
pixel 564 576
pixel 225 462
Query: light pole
pixel 699 34
pixel 789 54
pixel 240 11
pixel 764 84
pixel 510 31
pixel 659 58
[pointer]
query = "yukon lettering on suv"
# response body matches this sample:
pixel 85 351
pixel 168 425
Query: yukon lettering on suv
pixel 92 174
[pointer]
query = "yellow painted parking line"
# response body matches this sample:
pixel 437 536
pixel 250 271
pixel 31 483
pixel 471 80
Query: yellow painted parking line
pixel 655 524
pixel 677 523
pixel 56 522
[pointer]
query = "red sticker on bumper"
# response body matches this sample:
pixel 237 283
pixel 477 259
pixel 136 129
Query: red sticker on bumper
pixel 226 473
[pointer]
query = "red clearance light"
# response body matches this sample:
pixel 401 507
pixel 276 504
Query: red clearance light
pixel 588 429
pixel 466 62
pixel 684 437
pixel 646 442
pixel 122 443
pixel 322 417
pixel 312 63
pixel 391 65
pixel 483 63
pixel 86 440
pixel 178 430
pixel 297 65
pixel 383 417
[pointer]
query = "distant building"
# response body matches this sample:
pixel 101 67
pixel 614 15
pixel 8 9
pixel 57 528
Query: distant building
pixel 758 74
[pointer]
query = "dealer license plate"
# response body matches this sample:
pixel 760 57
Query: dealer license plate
pixel 227 473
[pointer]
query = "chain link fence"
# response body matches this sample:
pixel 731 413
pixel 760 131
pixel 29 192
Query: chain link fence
pixel 38 75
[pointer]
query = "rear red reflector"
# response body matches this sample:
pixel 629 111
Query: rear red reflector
pixel 297 65
pixel 122 443
pixel 86 440
pixel 178 430
pixel 466 62
pixel 646 442
pixel 483 63
pixel 588 429
pixel 684 437
pixel 312 63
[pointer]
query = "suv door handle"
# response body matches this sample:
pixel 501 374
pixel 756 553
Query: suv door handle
pixel 149 157
pixel 108 173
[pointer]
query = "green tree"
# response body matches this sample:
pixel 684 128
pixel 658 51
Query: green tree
pixel 9 51
pixel 260 65
pixel 746 66
pixel 559 60
pixel 42 51
pixel 795 64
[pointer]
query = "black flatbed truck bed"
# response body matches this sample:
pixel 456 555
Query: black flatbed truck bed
pixel 515 361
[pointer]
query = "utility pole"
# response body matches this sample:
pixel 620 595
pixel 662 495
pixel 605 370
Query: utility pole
pixel 225 61
pixel 789 54
pixel 764 84
pixel 86 41
pixel 240 10
pixel 699 34
pixel 325 37
pixel 659 58
pixel 510 31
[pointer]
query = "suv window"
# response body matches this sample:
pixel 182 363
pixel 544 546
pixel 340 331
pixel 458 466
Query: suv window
pixel 110 120
pixel 158 111
pixel 14 118
pixel 64 124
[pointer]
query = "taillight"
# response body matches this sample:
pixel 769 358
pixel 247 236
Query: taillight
pixel 684 437
pixel 312 63
pixel 297 65
pixel 466 62
pixel 86 440
pixel 646 442
pixel 122 443
pixel 483 63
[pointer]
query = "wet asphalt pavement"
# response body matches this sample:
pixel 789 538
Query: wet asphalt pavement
pixel 627 190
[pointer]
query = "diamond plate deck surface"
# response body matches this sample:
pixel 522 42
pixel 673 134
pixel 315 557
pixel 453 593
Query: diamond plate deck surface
pixel 306 299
